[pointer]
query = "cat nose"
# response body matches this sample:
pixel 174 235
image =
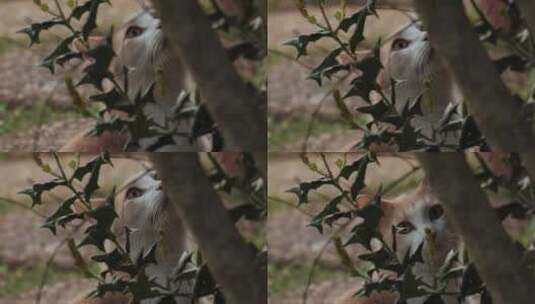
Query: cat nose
pixel 426 37
pixel 159 186
pixel 159 26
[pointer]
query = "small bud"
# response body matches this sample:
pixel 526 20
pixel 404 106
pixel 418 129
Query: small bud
pixel 72 164
pixel 71 4
pixel 46 168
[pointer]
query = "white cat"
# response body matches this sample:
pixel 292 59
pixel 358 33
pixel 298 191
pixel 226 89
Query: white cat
pixel 419 220
pixel 144 57
pixel 411 61
pixel 145 209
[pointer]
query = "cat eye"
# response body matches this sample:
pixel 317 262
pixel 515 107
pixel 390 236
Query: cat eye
pixel 133 32
pixel 435 212
pixel 133 192
pixel 405 227
pixel 400 44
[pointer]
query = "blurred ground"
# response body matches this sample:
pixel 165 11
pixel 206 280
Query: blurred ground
pixel 26 247
pixel 36 111
pixel 294 246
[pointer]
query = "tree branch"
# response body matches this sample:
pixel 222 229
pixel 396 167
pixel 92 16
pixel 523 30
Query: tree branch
pixel 527 8
pixel 229 258
pixel 497 259
pixel 229 101
pixel 499 115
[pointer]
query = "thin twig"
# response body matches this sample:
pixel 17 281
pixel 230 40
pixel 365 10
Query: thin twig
pixel 51 259
pixel 20 204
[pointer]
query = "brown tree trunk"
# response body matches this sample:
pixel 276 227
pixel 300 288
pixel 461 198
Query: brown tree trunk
pixel 499 116
pixel 497 259
pixel 229 258
pixel 231 104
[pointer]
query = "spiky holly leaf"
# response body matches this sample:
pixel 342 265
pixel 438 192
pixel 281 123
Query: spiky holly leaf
pixel 328 62
pixel 90 166
pixel 471 282
pixel 329 210
pixel 410 286
pixel 383 259
pixel 115 100
pixel 364 84
pixel 204 282
pixel 362 233
pixel 141 288
pixel 96 72
pixel 37 190
pixel 35 29
pixel 101 230
pixel 63 215
pixel 116 284
pixel 304 189
pixel 91 21
pixel 116 261
pixel 301 42
pixel 360 166
pixel 60 54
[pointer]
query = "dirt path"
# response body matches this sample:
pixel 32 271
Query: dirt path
pixel 45 138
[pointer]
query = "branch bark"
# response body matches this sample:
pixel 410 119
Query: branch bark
pixel 499 116
pixel 528 11
pixel 229 258
pixel 228 99
pixel 498 261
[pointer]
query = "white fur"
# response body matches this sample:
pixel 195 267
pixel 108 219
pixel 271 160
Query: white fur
pixel 149 59
pixel 151 217
pixel 417 69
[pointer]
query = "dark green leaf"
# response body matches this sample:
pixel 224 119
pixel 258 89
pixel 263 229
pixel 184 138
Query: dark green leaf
pixel 59 54
pixel 100 231
pixel 34 30
pixel 328 62
pixel 102 56
pixel 330 209
pixel 304 188
pixel 301 42
pixel 62 215
pixel 90 166
pixel 37 190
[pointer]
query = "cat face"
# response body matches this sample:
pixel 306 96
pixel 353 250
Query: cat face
pixel 140 42
pixel 410 55
pixel 419 220
pixel 143 206
pixel 141 199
